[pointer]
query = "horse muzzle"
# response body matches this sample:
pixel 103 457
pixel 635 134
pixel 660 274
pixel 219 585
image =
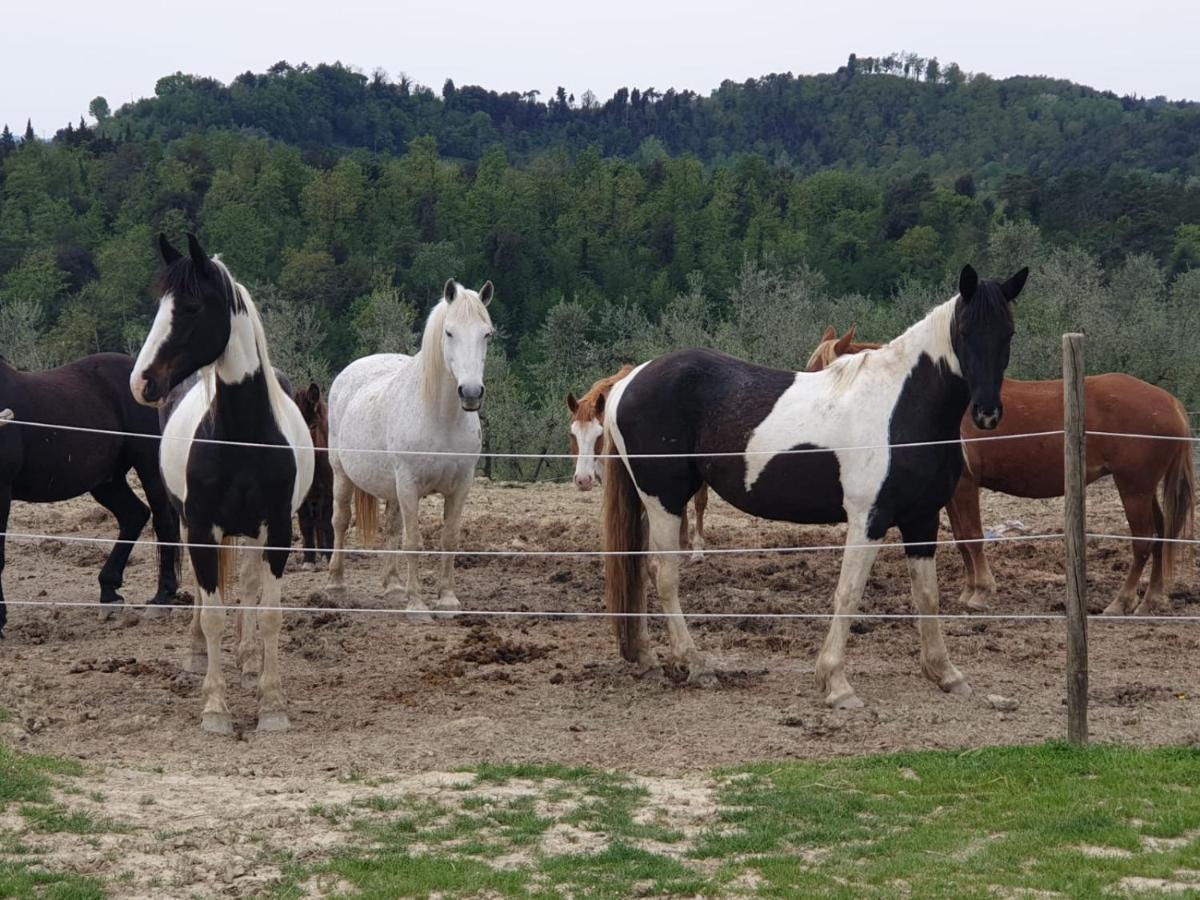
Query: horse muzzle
pixel 585 482
pixel 471 397
pixel 148 389
pixel 986 419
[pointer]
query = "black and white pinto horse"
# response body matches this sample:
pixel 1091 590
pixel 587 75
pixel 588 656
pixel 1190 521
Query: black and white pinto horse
pixel 914 389
pixel 206 321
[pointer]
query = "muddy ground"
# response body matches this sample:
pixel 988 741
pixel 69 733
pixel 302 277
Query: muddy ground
pixel 376 693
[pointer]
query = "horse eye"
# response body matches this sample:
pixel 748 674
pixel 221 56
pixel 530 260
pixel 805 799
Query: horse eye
pixel 489 335
pixel 449 335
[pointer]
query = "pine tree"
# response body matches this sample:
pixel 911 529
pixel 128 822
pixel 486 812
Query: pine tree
pixel 8 143
pixel 29 137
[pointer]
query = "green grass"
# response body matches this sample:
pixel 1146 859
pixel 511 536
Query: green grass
pixel 27 779
pixel 57 819
pixel 20 881
pixel 977 824
pixel 962 824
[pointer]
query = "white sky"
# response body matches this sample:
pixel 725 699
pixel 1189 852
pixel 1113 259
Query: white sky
pixel 56 56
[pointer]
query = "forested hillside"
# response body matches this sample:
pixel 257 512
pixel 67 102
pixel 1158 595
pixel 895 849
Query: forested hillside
pixel 611 228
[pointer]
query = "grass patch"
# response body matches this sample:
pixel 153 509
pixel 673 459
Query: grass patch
pixel 27 779
pixel 57 819
pixel 970 823
pixel 21 881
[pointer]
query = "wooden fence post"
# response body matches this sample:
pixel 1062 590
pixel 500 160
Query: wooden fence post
pixel 1075 473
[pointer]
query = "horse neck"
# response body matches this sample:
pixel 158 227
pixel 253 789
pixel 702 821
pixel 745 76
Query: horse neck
pixel 243 394
pixel 931 337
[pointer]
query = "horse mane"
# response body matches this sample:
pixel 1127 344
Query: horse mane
pixel 466 308
pixel 241 302
pixel 585 409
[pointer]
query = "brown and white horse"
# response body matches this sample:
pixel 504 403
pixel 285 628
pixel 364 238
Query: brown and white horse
pixel 587 441
pixel 1033 467
pixel 316 512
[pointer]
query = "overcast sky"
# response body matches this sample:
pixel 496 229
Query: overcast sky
pixel 56 56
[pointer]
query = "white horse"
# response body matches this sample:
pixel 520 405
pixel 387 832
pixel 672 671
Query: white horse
pixel 394 402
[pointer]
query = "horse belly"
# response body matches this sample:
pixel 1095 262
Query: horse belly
pixel 66 466
pixel 803 488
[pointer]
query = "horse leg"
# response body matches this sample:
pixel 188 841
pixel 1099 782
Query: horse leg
pixel 451 525
pixel 922 576
pixel 685 537
pixel 410 508
pixel 831 663
pixel 250 648
pixel 325 528
pixel 700 502
pixel 1139 512
pixel 132 515
pixel 966 524
pixel 272 708
pixel 5 504
pixel 215 718
pixel 664 538
pixel 343 491
pixel 393 529
pixel 1155 591
pixel 166 529
pixel 308 536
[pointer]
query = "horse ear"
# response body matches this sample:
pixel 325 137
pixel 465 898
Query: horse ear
pixel 829 334
pixel 196 252
pixel 314 393
pixel 572 403
pixel 967 282
pixel 843 343
pixel 485 293
pixel 169 253
pixel 600 404
pixel 1012 287
pixel 450 291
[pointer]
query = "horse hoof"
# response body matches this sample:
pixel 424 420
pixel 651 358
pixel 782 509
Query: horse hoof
pixel 1148 607
pixel 447 603
pixel 978 604
pixel 844 701
pixel 705 678
pixel 109 611
pixel 217 723
pixel 697 556
pixel 308 567
pixel 652 674
pixel 196 663
pixel 1116 608
pixel 273 721
pixel 958 687
pixel 250 681
pixel 418 613
pixel 156 611
pixel 334 593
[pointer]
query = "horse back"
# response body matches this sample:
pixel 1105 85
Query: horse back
pixel 1115 402
pixel 90 393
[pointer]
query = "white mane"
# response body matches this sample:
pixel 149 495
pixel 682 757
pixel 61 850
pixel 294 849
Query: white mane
pixel 466 308
pixel 275 391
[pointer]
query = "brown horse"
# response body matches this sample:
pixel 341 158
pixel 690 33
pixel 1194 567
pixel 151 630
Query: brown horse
pixel 316 512
pixel 587 437
pixel 1033 467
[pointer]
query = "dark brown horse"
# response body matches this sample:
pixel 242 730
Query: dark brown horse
pixel 1033 467
pixel 46 465
pixel 316 513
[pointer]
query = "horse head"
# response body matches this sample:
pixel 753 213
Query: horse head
pixel 463 344
pixel 832 346
pixel 197 298
pixel 981 335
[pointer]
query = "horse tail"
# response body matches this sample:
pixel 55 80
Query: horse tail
pixel 366 516
pixel 226 566
pixel 1179 508
pixel 624 531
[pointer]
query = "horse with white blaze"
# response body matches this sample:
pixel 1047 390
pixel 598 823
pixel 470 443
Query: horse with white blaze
pixel 395 407
pixel 207 322
pixel 850 443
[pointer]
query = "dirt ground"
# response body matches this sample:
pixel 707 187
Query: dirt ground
pixel 372 693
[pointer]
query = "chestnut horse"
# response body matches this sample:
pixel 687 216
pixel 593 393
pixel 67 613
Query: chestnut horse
pixel 587 438
pixel 1033 467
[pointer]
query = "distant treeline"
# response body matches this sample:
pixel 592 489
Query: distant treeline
pixel 344 201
